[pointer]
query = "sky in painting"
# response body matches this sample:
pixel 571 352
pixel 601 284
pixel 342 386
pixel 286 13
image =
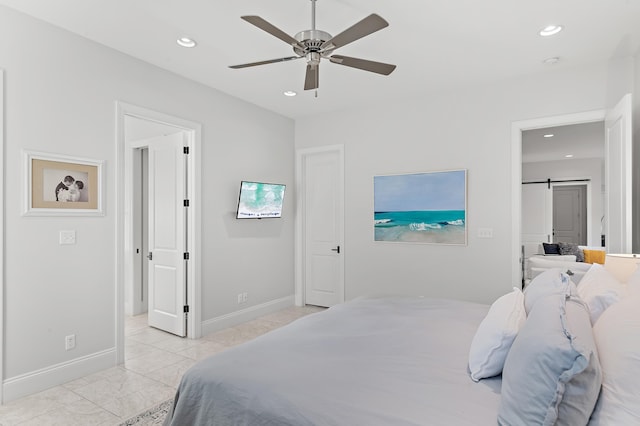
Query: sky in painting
pixel 420 191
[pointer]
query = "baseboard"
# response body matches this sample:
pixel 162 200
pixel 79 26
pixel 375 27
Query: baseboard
pixel 238 317
pixel 39 380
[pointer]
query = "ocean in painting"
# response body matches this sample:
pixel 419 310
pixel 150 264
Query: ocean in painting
pixel 425 226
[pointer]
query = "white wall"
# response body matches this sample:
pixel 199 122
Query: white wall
pixel 60 98
pixel 590 168
pixel 469 128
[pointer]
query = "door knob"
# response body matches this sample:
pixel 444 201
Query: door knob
pixel 337 249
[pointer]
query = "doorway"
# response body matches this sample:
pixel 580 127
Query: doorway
pixel 617 186
pixel 523 244
pixel 127 255
pixel 159 285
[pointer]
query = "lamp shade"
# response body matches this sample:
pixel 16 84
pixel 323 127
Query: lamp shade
pixel 622 265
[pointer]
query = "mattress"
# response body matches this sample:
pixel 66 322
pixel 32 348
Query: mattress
pixel 371 361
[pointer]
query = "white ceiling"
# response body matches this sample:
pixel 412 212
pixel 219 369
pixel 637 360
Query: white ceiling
pixel 580 140
pixel 435 44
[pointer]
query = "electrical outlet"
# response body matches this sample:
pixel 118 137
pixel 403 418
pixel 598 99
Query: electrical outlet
pixel 245 296
pixel 239 298
pixel 70 342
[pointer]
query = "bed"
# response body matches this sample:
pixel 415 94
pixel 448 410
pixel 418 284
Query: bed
pixel 555 354
pixel 371 361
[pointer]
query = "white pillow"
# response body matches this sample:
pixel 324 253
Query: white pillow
pixel 552 375
pixel 495 334
pixel 616 335
pixel 599 289
pixel 552 281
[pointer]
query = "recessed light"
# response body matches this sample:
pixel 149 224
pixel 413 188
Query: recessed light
pixel 568 156
pixel 551 61
pixel 186 42
pixel 290 93
pixel 548 135
pixel 550 30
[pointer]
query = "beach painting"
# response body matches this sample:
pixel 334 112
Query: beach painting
pixel 426 208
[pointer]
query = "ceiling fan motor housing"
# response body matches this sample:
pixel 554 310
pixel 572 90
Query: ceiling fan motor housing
pixel 312 40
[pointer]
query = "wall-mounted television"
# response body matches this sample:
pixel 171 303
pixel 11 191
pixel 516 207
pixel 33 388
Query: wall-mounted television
pixel 260 200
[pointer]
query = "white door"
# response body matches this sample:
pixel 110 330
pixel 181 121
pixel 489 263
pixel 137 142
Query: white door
pixel 570 214
pixel 167 236
pixel 536 216
pixel 323 216
pixel 618 179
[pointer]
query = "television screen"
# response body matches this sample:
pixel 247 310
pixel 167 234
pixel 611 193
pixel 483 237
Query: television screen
pixel 260 200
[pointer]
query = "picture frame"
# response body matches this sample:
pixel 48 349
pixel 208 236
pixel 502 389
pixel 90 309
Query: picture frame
pixel 426 208
pixel 61 185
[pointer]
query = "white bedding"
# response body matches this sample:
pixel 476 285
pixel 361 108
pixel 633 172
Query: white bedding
pixel 372 361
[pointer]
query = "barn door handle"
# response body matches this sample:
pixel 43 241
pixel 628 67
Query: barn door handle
pixel 337 249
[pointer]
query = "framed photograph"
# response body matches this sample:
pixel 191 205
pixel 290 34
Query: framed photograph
pixel 428 208
pixel 58 185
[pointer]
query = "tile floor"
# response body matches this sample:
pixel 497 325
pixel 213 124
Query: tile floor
pixel 154 364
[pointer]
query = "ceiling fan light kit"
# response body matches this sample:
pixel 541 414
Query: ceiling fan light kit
pixel 314 45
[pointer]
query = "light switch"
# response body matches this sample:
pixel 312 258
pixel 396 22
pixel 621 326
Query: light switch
pixel 67 237
pixel 485 232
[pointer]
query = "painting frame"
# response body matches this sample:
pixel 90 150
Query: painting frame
pixel 421 207
pixel 46 193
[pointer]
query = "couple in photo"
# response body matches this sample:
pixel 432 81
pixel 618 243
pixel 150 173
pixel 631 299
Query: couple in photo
pixel 69 189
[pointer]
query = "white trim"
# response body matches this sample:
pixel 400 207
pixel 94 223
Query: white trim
pixel 2 348
pixel 623 111
pixel 45 378
pixel 124 217
pixel 299 219
pixel 517 127
pixel 238 317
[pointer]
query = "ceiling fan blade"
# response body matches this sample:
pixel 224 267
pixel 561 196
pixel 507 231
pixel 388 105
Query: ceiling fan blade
pixel 363 64
pixel 269 61
pixel 311 79
pixel 271 29
pixel 368 25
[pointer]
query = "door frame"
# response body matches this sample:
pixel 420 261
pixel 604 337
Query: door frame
pixel 517 127
pixel 125 215
pixel 626 163
pixel 300 239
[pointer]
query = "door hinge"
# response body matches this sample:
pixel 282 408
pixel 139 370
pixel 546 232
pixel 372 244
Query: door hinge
pixel 186 203
pixel 186 150
pixel 185 309
pixel 186 256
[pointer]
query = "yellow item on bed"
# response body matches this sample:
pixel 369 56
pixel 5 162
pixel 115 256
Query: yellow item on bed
pixel 594 256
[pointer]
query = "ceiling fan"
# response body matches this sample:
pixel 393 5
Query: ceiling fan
pixel 314 45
